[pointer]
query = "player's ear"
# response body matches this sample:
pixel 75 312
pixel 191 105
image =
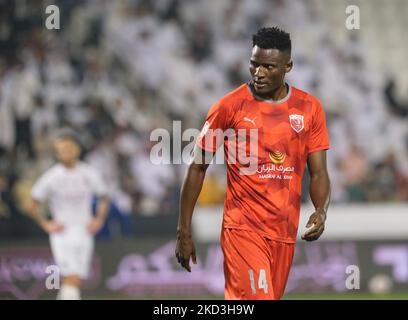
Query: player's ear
pixel 289 66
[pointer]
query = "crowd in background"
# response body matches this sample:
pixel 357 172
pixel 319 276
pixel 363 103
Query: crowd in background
pixel 116 70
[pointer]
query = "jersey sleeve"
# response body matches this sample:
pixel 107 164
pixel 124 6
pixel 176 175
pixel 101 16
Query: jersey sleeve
pixel 319 136
pixel 211 136
pixel 98 185
pixel 42 188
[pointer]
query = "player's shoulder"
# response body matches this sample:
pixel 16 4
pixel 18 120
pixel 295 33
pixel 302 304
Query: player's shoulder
pixel 306 97
pixel 236 95
pixel 89 171
pixel 55 169
pixel 86 167
pixel 50 174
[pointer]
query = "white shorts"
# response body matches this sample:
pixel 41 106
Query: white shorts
pixel 72 250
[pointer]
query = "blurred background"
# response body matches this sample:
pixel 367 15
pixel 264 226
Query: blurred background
pixel 116 70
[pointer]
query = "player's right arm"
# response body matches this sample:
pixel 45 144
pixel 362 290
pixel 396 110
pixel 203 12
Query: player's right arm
pixel 190 190
pixel 209 140
pixel 48 226
pixel 39 194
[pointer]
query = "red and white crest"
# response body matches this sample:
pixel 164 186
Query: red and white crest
pixel 296 122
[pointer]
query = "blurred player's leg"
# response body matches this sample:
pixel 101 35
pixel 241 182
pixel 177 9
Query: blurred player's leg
pixel 72 251
pixel 70 289
pixel 254 267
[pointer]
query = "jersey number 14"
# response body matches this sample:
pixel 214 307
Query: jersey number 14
pixel 262 283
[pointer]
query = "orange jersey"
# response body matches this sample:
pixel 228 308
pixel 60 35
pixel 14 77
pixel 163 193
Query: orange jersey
pixel 267 200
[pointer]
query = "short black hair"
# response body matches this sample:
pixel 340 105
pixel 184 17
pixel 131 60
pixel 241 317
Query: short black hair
pixel 68 134
pixel 272 38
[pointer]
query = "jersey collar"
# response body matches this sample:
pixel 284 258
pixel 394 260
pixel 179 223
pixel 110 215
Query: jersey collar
pixel 258 98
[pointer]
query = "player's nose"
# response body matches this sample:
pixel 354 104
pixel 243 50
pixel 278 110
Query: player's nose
pixel 259 74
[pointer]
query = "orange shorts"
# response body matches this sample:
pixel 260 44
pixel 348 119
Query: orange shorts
pixel 255 267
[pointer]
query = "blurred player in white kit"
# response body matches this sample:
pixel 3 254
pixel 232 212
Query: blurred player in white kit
pixel 69 187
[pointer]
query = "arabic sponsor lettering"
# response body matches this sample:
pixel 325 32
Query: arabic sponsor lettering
pixel 271 171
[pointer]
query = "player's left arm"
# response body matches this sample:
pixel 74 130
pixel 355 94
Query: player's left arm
pixel 98 220
pixel 100 190
pixel 319 190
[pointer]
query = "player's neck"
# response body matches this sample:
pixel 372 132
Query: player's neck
pixel 70 165
pixel 279 93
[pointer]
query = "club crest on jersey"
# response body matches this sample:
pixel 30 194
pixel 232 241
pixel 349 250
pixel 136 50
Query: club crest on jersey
pixel 296 122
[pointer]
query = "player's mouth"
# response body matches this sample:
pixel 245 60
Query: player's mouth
pixel 260 85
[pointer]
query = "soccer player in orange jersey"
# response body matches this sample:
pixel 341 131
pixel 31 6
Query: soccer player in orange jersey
pixel 261 208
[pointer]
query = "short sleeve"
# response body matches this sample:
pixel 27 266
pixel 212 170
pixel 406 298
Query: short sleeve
pixel 99 187
pixel 41 189
pixel 319 136
pixel 211 136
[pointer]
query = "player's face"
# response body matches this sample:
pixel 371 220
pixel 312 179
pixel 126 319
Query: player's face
pixel 268 68
pixel 66 151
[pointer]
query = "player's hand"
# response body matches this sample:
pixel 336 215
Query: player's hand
pixel 184 250
pixel 51 226
pixel 95 225
pixel 317 220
